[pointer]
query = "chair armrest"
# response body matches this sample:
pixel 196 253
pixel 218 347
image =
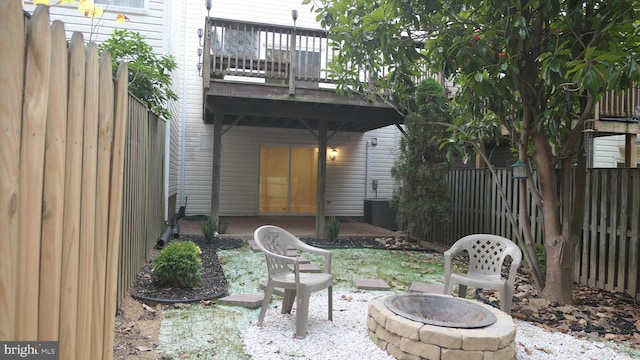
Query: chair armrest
pixel 283 258
pixel 318 251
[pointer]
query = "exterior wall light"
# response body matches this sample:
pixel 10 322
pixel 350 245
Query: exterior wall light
pixel 519 169
pixel 333 154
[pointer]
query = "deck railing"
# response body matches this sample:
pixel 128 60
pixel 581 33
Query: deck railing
pixel 264 51
pixel 619 104
pixel 257 50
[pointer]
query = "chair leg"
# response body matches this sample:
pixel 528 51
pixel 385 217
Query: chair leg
pixel 302 314
pixel 506 298
pixel 330 299
pixel 268 292
pixel 462 291
pixel 287 301
pixel 448 286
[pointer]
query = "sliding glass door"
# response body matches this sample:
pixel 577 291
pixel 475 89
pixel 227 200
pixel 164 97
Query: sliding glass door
pixel 288 180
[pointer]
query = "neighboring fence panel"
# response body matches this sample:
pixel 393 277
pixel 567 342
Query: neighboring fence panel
pixel 608 254
pixel 67 257
pixel 143 200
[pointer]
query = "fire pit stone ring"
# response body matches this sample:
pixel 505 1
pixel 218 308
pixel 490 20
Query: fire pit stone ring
pixel 405 338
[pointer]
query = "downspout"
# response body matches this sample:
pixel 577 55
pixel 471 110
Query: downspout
pixel 367 170
pixel 167 127
pixel 183 135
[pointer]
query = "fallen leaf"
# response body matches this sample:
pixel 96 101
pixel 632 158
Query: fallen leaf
pixel 144 348
pixel 126 329
pixel 206 302
pixel 548 351
pixel 148 308
pixel 294 353
pixel 181 305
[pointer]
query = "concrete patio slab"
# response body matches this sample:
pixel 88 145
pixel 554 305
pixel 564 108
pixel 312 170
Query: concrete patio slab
pixel 420 287
pixel 245 300
pixel 371 284
pixel 277 291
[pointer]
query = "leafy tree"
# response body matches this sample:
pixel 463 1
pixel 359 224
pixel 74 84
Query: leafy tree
pixel 422 201
pixel 536 67
pixel 149 73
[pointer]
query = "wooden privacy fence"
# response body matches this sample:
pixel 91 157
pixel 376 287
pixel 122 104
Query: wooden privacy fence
pixel 478 207
pixel 143 198
pixel 62 141
pixel 608 255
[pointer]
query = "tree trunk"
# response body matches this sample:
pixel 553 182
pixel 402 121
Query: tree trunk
pixel 559 279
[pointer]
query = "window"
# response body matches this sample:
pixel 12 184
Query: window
pixel 138 4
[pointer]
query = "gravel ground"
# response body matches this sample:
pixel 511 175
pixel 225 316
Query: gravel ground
pixel 346 337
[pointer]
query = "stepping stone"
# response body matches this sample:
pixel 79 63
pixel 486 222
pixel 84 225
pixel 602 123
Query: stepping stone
pixel 246 300
pixel 307 267
pixel 253 245
pixel 371 284
pixel 292 252
pixel 420 287
pixel 276 291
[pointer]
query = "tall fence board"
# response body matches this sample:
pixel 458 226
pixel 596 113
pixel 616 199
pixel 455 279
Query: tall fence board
pixel 11 77
pixel 607 256
pixel 75 152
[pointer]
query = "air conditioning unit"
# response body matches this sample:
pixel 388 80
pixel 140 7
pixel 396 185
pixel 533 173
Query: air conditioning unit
pixel 278 55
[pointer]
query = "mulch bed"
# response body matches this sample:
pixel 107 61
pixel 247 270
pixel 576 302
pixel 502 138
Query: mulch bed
pixel 596 314
pixel 214 282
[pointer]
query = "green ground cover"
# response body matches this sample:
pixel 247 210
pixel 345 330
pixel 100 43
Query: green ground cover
pixel 215 332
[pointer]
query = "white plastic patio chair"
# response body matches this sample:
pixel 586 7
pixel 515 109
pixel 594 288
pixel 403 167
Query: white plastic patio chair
pixel 284 272
pixel 486 255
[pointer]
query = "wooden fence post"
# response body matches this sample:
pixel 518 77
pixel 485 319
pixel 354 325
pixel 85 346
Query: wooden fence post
pixel 88 203
pixel 11 86
pixel 53 196
pixel 34 116
pixel 73 184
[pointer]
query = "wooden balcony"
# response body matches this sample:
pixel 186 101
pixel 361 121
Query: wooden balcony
pixel 251 77
pixel 616 113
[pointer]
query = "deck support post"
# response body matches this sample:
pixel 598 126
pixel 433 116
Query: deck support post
pixel 215 173
pixel 630 151
pixel 322 175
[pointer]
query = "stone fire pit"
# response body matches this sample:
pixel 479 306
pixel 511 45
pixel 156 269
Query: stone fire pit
pixel 448 328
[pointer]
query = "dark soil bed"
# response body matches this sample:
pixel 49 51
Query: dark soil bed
pixel 214 282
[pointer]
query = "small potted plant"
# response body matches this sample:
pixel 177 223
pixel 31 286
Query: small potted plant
pixel 209 228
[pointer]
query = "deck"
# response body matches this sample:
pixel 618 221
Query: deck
pixel 252 78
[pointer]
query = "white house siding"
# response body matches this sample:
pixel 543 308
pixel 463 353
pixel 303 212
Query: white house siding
pixel 264 11
pixel 345 184
pixel 606 151
pixel 609 151
pixel 346 176
pixel 149 22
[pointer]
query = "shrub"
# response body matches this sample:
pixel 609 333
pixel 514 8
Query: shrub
pixel 178 264
pixel 209 228
pixel 332 228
